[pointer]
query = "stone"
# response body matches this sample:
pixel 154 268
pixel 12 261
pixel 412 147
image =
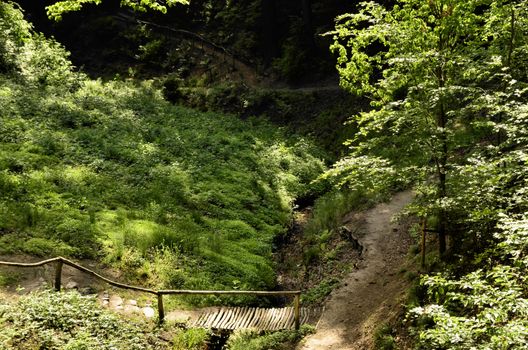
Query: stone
pixel 131 309
pixel 148 312
pixel 72 285
pixel 115 301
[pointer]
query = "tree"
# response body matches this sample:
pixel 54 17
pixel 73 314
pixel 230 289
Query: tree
pixel 426 65
pixel 56 10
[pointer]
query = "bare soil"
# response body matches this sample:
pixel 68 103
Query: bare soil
pixel 371 295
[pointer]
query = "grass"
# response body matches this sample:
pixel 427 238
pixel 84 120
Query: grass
pixel 174 197
pixel 211 187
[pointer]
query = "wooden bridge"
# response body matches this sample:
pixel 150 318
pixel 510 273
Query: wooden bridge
pixel 219 318
pixel 264 319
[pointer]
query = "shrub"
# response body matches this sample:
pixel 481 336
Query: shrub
pixel 281 340
pixel 191 339
pixel 54 320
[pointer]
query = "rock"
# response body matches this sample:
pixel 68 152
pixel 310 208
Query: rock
pixel 131 309
pixel 115 301
pixel 72 285
pixel 88 290
pixel 350 236
pixel 132 302
pixel 148 312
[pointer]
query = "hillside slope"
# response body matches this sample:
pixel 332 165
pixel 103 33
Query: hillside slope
pixel 171 196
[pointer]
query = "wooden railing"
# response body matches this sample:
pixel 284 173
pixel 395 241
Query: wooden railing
pixel 60 262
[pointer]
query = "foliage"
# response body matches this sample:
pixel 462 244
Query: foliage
pixel 318 294
pixel 70 321
pixel 191 339
pixel 306 112
pixel 111 170
pixel 282 340
pixel 449 88
pixel 14 31
pixel 383 338
pixel 436 73
pixel 56 10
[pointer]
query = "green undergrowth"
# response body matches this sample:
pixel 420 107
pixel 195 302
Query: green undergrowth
pixel 69 321
pixel 282 340
pixel 320 113
pixel 173 197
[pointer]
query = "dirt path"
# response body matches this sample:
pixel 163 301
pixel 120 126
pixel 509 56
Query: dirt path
pixel 370 295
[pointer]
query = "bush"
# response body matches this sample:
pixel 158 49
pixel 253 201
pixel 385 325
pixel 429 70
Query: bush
pixel 54 320
pixel 383 338
pixel 191 339
pixel 281 340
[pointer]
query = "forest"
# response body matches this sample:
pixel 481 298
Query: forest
pixel 350 150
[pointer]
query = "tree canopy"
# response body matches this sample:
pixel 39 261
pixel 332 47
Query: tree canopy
pixel 436 73
pixel 56 10
pixel 449 89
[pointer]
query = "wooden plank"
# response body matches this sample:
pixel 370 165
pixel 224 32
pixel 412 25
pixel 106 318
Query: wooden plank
pixel 229 319
pixel 265 319
pixel 256 317
pixel 241 318
pixel 275 318
pixel 233 320
pixel 269 318
pixel 212 316
pixel 258 321
pixel 221 315
pixel 227 316
pixel 286 318
pixel 199 321
pixel 304 315
pixel 216 316
pixel 280 318
pixel 289 319
pixel 248 318
pixel 203 322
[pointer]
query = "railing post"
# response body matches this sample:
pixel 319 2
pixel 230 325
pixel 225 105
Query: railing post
pixel 58 275
pixel 161 312
pixel 297 311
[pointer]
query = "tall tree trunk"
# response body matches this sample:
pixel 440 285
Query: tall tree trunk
pixel 269 48
pixel 442 187
pixel 308 24
pixel 441 123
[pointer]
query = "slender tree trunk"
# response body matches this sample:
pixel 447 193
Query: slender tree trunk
pixel 441 123
pixel 512 38
pixel 442 187
pixel 269 48
pixel 508 62
pixel 308 24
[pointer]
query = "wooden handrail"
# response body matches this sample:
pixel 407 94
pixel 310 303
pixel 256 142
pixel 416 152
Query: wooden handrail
pixel 229 292
pixel 159 293
pixel 113 283
pixel 36 264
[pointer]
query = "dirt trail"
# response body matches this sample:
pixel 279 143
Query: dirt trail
pixel 370 295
